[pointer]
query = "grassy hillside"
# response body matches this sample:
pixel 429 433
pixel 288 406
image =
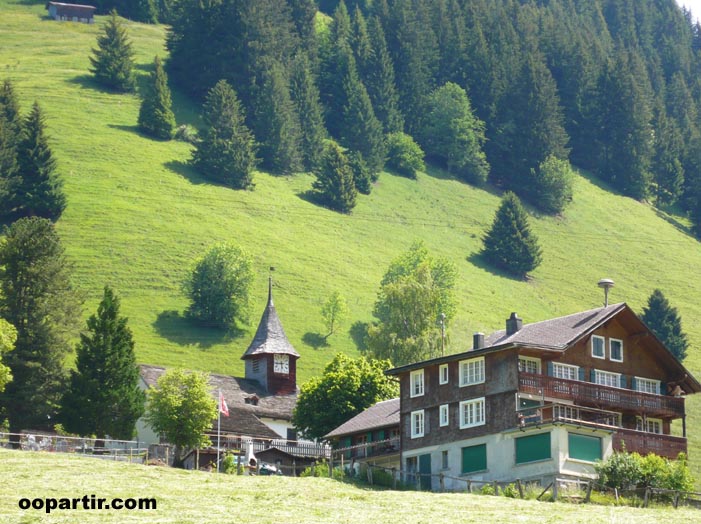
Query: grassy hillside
pixel 138 215
pixel 196 497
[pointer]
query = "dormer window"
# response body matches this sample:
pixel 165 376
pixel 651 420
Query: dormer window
pixel 252 400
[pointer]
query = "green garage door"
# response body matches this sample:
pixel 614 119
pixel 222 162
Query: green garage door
pixel 532 448
pixel 474 458
pixel 584 447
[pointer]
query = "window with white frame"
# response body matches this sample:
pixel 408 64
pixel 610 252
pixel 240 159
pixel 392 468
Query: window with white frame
pixel 443 415
pixel 565 412
pixel 606 378
pixel 649 425
pixel 471 371
pixel 647 385
pixel 616 350
pixel 417 383
pixel 417 423
pixel 565 371
pixel 598 346
pixel 472 413
pixel 529 365
pixel 443 374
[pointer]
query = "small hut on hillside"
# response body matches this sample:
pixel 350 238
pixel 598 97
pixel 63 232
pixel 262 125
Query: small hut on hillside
pixel 71 12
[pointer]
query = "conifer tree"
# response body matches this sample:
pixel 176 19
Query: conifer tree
pixel 226 152
pixel 305 95
pixel 509 244
pixel 39 191
pixel 113 60
pixel 10 109
pixel 10 130
pixel 156 115
pixel 667 164
pixel 666 324
pixel 103 397
pixel 277 123
pixel 334 180
pixel 37 297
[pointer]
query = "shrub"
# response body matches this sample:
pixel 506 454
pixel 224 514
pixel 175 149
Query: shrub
pixel 487 489
pixel 320 469
pixel 230 464
pixel 404 156
pixel 510 491
pixel 620 470
pixel 186 133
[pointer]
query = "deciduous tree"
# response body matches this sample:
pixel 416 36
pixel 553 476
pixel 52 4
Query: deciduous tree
pixel 347 387
pixel 103 397
pixel 218 286
pixel 333 312
pixel 182 408
pixel 8 337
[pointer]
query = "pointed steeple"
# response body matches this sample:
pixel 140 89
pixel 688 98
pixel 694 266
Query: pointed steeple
pixel 270 338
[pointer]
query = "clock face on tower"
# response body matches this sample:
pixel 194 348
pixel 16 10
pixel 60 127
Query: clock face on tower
pixel 281 364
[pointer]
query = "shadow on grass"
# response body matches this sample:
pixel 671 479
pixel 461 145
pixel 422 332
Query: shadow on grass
pixel 315 340
pixel 358 333
pixel 89 82
pixel 478 260
pixel 174 327
pixel 186 171
pixel 670 219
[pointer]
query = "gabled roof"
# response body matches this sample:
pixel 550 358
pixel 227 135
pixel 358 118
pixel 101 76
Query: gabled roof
pixel 556 333
pixel 72 9
pixel 381 415
pixel 243 419
pixel 270 337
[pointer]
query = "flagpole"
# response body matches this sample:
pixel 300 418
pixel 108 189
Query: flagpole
pixel 218 426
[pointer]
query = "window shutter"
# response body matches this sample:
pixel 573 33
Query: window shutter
pixel 550 369
pixel 593 375
pixel 581 374
pixel 633 384
pixel 426 418
pixel 381 434
pixel 369 436
pixel 624 382
pixel 663 388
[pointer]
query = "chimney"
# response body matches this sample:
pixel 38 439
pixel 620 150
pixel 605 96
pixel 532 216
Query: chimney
pixel 478 341
pixel 513 324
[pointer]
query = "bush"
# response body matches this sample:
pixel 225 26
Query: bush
pixel 487 489
pixel 186 133
pixel 230 465
pixel 625 470
pixel 320 469
pixel 550 189
pixel 621 470
pixel 510 491
pixel 404 156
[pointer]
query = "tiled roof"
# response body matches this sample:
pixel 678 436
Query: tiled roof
pixel 72 9
pixel 382 414
pixel 270 337
pixel 556 333
pixel 243 419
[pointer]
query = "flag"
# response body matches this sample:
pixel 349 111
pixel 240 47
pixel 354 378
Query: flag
pixel 223 408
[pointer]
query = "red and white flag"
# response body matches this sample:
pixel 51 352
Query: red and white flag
pixel 223 408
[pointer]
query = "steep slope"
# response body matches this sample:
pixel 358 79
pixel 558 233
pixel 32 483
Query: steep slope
pixel 137 216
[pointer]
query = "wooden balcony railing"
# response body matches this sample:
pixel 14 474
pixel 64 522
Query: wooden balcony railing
pixel 370 449
pixel 588 393
pixel 644 443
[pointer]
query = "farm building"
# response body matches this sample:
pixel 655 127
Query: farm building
pixel 542 401
pixel 71 12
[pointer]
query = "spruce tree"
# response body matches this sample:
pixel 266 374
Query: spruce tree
pixel 155 115
pixel 113 60
pixel 226 152
pixel 334 180
pixel 103 397
pixel 10 109
pixel 509 244
pixel 277 123
pixel 305 95
pixel 37 297
pixel 10 131
pixel 39 191
pixel 666 324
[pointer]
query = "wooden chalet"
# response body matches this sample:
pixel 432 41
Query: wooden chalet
pixel 71 12
pixel 544 400
pixel 372 436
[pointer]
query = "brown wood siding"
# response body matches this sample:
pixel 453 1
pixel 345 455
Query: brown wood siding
pixel 279 383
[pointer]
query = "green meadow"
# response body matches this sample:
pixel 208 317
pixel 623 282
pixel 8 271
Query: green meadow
pixel 194 497
pixel 138 216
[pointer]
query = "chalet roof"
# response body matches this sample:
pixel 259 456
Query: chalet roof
pixel 556 333
pixel 270 337
pixel 243 419
pixel 72 9
pixel 383 414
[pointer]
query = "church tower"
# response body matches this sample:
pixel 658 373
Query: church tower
pixel 271 359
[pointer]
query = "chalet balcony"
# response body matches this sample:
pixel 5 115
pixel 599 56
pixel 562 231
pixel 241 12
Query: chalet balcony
pixel 370 449
pixel 663 445
pixel 603 397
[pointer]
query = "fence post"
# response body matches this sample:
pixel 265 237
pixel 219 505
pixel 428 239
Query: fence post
pixel 589 487
pixel 615 493
pixel 441 480
pixel 469 485
pixel 394 477
pixel 369 469
pixel 646 497
pixel 555 490
pixel 167 453
pixel 331 467
pixel 519 486
pixel 496 488
pixel 676 499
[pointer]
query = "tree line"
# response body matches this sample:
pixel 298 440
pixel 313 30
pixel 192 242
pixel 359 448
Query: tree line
pixel 499 90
